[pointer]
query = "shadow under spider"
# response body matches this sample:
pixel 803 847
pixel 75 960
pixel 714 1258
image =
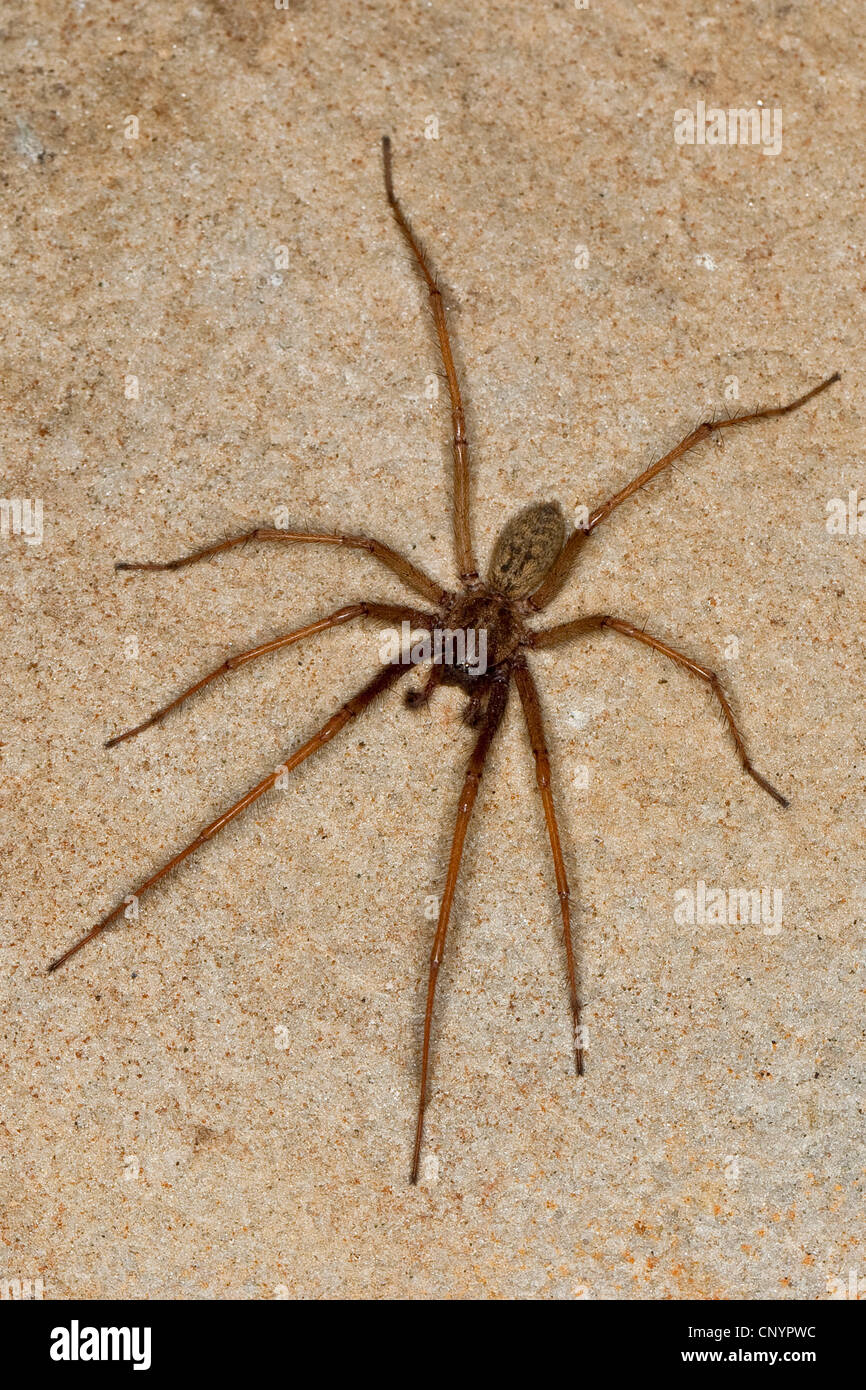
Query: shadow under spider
pixel 532 560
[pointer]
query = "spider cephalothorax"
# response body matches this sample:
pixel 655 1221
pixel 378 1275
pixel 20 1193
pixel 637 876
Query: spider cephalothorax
pixel 482 629
pixel 532 560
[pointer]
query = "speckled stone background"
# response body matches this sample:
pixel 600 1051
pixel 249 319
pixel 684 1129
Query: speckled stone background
pixel 209 317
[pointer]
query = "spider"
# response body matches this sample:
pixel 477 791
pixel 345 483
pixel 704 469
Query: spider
pixel 531 562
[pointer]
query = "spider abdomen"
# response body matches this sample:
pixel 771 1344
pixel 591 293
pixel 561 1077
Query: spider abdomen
pixel 526 548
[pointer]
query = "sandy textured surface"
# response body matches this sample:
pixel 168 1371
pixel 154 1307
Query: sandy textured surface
pixel 218 1100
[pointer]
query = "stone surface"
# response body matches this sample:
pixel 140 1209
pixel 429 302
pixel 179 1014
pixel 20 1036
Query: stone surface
pixel 218 1099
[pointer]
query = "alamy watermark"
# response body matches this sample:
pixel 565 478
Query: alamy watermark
pixel 464 647
pixel 21 516
pixel 77 1343
pixel 853 1288
pixel 16 1289
pixel 846 517
pixel 727 907
pixel 755 125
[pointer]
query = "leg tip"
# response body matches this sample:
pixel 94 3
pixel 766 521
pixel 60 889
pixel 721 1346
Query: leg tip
pixel 766 785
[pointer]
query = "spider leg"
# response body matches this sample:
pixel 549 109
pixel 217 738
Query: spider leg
pixel 332 726
pixel 462 531
pixel 563 632
pixel 495 711
pixel 561 567
pixel 535 727
pixel 392 559
pixel 387 612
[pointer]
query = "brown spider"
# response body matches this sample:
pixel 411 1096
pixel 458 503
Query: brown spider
pixel 532 559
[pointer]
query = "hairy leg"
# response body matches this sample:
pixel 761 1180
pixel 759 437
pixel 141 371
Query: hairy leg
pixel 350 710
pixel 462 530
pixel 535 727
pixel 495 711
pixel 562 566
pixel 565 632
pixel 386 612
pixel 391 559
